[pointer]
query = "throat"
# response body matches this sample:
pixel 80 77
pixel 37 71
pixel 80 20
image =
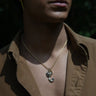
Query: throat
pixel 45 40
pixel 40 43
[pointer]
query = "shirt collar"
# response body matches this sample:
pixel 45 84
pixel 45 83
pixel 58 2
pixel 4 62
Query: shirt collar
pixel 75 43
pixel 78 55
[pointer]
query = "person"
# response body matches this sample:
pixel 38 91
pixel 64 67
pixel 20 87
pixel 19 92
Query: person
pixel 47 58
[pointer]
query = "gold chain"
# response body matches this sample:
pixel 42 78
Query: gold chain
pixel 29 51
pixel 49 73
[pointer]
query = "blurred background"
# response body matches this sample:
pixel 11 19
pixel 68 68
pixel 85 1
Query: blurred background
pixel 82 19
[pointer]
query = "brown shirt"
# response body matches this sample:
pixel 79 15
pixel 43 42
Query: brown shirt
pixel 16 79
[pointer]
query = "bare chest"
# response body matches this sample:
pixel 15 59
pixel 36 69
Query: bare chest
pixel 59 74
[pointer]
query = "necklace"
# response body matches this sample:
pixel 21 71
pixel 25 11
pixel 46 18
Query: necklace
pixel 49 73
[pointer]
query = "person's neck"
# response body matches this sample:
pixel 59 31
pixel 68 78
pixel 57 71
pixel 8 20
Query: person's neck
pixel 44 38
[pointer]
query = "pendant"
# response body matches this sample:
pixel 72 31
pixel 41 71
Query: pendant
pixel 48 75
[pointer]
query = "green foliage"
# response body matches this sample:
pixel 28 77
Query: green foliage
pixel 82 17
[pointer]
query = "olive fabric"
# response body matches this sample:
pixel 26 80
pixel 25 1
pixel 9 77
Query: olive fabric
pixel 17 80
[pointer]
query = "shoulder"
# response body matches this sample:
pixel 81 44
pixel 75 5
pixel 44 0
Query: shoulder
pixel 79 38
pixel 90 45
pixel 87 41
pixel 73 36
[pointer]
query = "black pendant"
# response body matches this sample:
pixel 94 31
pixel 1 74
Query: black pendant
pixel 48 75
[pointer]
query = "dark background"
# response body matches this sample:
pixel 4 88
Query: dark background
pixel 82 19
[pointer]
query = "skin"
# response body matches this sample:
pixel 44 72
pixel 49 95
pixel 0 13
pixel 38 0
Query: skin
pixel 46 23
pixel 45 35
pixel 43 11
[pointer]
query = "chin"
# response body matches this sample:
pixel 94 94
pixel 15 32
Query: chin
pixel 57 17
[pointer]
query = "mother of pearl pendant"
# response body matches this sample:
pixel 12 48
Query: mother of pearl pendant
pixel 51 80
pixel 48 75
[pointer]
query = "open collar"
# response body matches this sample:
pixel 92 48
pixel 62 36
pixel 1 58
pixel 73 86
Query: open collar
pixel 76 67
pixel 23 73
pixel 74 43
